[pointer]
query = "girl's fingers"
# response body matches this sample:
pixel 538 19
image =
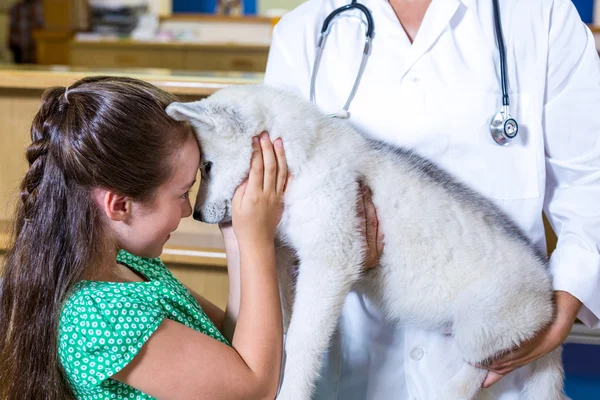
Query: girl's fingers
pixel 270 163
pixel 239 194
pixel 282 171
pixel 255 177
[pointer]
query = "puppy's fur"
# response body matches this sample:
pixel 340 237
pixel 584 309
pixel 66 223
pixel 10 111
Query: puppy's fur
pixel 452 260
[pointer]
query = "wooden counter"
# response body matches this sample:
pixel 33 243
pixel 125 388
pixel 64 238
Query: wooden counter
pixel 195 84
pixel 195 251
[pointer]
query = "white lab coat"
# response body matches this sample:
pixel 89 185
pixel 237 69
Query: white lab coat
pixel 438 96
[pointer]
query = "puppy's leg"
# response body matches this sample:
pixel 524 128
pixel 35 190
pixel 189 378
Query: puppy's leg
pixel 466 384
pixel 493 316
pixel 320 295
pixel 547 379
pixel 324 232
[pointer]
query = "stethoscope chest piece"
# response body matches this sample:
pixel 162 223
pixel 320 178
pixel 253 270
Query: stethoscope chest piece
pixel 504 128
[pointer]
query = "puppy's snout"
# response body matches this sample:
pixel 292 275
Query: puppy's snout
pixel 211 213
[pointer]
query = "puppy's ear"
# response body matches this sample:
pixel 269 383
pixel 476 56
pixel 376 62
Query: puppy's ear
pixel 193 113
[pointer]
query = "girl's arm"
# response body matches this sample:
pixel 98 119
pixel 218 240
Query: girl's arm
pixel 180 363
pixel 232 252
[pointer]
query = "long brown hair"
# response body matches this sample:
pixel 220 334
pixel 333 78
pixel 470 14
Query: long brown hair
pixel 103 132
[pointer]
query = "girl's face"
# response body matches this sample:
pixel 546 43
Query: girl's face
pixel 151 224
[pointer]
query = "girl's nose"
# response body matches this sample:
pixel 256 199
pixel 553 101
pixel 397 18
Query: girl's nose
pixel 187 210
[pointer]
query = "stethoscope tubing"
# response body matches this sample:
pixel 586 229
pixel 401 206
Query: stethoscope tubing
pixel 504 127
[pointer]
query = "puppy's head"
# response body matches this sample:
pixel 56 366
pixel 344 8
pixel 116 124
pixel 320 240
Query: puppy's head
pixel 224 124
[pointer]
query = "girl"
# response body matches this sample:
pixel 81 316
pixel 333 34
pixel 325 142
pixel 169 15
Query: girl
pixel 87 309
pixel 108 180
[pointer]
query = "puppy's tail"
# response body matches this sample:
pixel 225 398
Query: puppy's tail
pixel 547 380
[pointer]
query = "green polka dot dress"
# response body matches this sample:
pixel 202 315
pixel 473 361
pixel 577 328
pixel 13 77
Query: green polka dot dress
pixel 103 325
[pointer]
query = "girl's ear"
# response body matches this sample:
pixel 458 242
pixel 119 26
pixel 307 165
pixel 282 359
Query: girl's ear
pixel 194 113
pixel 116 207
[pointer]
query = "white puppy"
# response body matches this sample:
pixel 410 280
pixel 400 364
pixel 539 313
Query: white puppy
pixel 452 262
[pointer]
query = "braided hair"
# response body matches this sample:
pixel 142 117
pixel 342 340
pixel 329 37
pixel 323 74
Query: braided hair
pixel 102 132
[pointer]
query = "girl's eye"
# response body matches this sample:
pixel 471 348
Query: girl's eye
pixel 186 195
pixel 207 166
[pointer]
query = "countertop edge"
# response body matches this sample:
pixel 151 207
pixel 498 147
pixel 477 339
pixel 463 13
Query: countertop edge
pixel 192 85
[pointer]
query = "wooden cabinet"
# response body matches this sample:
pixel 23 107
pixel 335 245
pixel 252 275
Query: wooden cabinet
pixel 135 57
pixel 223 59
pixel 62 18
pixel 66 15
pixel 52 47
pixel 198 57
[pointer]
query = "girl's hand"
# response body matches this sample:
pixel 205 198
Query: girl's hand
pixel 258 203
pixel 372 235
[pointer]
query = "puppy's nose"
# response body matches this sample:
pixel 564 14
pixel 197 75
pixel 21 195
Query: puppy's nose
pixel 197 215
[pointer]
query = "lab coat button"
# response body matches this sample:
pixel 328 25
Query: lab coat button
pixel 415 80
pixel 416 353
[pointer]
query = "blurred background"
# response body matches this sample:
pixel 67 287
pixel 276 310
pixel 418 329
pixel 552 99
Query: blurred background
pixel 191 48
pixel 137 33
pixel 228 34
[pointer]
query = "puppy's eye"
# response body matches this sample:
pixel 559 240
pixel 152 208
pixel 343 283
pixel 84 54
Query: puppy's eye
pixel 207 166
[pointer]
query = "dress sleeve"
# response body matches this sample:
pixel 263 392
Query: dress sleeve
pixel 100 333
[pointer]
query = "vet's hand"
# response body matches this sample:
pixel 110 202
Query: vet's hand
pixel 370 228
pixel 567 307
pixel 258 203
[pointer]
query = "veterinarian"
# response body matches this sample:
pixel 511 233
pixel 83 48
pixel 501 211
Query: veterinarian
pixel 432 82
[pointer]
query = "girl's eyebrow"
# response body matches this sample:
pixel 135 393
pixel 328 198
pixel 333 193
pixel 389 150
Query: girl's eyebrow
pixel 189 185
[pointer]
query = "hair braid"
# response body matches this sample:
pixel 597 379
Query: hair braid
pixel 53 107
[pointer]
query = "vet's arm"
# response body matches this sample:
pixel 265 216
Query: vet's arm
pixel 572 157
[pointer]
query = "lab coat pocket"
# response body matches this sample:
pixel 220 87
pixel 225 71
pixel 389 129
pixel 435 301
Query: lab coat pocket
pixel 499 172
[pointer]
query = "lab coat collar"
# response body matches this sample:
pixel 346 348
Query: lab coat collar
pixel 437 19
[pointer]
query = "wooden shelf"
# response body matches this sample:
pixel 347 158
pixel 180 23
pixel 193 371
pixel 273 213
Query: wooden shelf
pixel 190 56
pixel 216 18
pixel 130 44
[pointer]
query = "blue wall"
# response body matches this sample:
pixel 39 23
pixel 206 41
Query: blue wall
pixel 208 6
pixel 586 10
pixel 582 369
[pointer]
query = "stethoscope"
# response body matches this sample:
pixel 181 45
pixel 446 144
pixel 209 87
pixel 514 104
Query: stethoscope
pixel 503 126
